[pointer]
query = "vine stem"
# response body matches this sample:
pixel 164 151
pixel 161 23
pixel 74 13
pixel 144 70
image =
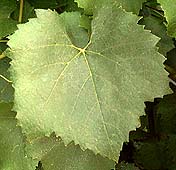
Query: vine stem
pixel 9 81
pixel 21 11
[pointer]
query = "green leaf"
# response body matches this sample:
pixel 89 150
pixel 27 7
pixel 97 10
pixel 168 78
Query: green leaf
pixel 7 7
pixel 88 5
pixel 166 113
pixel 151 155
pixel 12 142
pixel 8 25
pixel 6 90
pixel 88 95
pixel 70 6
pixel 128 5
pixel 169 7
pixel 54 155
pixel 158 28
pixel 131 6
pixel 85 22
pixel 171 152
pixel 78 35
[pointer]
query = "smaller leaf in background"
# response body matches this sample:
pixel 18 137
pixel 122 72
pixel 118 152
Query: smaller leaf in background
pixel 85 22
pixel 158 28
pixel 12 154
pixel 7 7
pixel 171 152
pixel 131 6
pixel 154 21
pixel 87 5
pixel 6 89
pixel 154 152
pixel 78 35
pixel 169 7
pixel 147 155
pixel 166 114
pixel 128 5
pixel 54 155
pixel 7 25
pixel 151 7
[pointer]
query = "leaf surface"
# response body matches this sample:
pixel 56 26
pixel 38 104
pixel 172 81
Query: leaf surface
pixel 12 142
pixel 54 155
pixel 88 94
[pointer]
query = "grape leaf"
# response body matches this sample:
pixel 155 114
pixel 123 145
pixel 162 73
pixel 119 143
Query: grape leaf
pixel 78 35
pixel 8 25
pixel 88 94
pixel 71 5
pixel 132 6
pixel 151 155
pixel 12 142
pixel 87 5
pixel 171 152
pixel 54 155
pixel 166 113
pixel 85 22
pixel 7 7
pixel 6 89
pixel 169 7
pixel 128 5
pixel 158 28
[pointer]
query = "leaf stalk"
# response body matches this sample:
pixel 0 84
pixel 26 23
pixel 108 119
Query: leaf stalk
pixel 21 11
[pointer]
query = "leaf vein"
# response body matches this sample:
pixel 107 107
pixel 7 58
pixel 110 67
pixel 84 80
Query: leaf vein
pixel 98 101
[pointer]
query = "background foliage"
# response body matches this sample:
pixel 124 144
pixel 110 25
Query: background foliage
pixel 24 144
